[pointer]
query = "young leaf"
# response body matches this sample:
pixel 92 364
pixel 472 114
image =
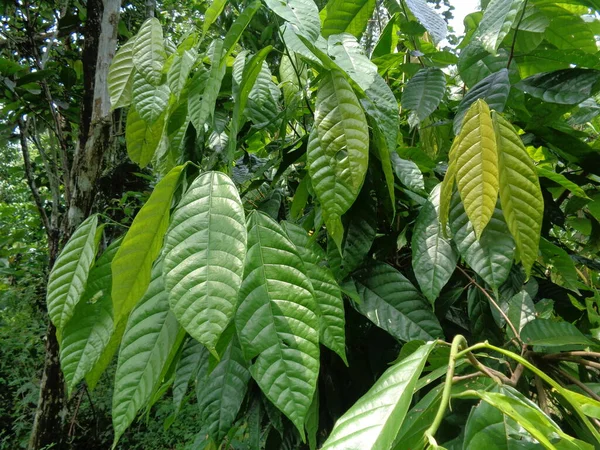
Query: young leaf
pixel 120 77
pixel 142 139
pixel 212 13
pixel 392 303
pixel 477 166
pixel 204 252
pixel 520 193
pixel 150 334
pixel 497 21
pixel 224 391
pixel 149 54
pixel 435 25
pixel 131 267
pixel 68 277
pixel 423 93
pixel 327 293
pixel 491 256
pixel 347 16
pixel 177 76
pixel 373 421
pixel 433 256
pixel 338 150
pixel 88 332
pixel 276 320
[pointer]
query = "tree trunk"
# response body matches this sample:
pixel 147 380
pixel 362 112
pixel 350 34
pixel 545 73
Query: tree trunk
pixel 48 428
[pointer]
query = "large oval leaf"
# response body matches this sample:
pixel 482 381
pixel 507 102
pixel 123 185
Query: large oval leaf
pixel 149 337
pixel 120 77
pixel 68 277
pixel 88 332
pixel 177 76
pixel 497 20
pixel 391 302
pixel 373 421
pixel 520 193
pixel 548 333
pixel 433 22
pixel 327 293
pixel 433 256
pixel 142 139
pixel 338 150
pixel 132 264
pixel 477 166
pixel 150 101
pixel 302 15
pixel 492 255
pixel 204 257
pixel 423 93
pixel 222 395
pixel 350 16
pixel 149 54
pixel 565 87
pixel 348 54
pixel 277 321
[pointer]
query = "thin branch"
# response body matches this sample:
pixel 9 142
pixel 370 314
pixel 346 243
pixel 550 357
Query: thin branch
pixel 542 396
pixel 578 383
pixel 514 42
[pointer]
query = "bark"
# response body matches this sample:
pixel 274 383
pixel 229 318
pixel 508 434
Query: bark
pixel 49 424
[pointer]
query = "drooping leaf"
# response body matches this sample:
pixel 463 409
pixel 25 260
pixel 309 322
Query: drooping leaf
pixel 131 266
pixel 433 22
pixel 338 152
pixel 120 77
pixel 477 166
pixel 560 266
pixel 560 179
pixel 347 16
pixel 193 357
pixel 149 54
pixel 408 173
pixel 93 376
pixel 66 282
pixel 88 332
pixel 373 421
pixel 381 104
pixel 392 303
pixel 521 311
pixel 327 293
pixel 237 28
pixel 494 89
pixel 491 256
pixel 302 15
pixel 142 139
pixel 150 101
pixel 312 422
pixel 177 76
pixel 204 252
pixel 423 93
pixel 224 391
pixel 212 14
pixel 498 18
pixel 520 193
pixel 434 257
pixel 579 35
pixel 348 54
pixel 419 417
pixel 277 321
pixel 475 64
pixel 565 87
pixel 150 334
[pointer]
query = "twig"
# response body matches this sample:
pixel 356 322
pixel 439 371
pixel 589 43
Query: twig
pixel 578 383
pixel 512 47
pixel 72 425
pixel 542 397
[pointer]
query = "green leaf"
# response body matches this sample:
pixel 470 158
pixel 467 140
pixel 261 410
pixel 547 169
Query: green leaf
pixel 548 333
pixel 142 139
pixel 348 54
pixel 204 252
pixel 549 60
pixel 347 16
pixel 477 166
pixel 579 35
pixel 411 433
pixel 423 93
pixel 66 282
pixel 491 256
pixel 149 54
pixel 120 77
pixel 150 334
pixel 373 421
pixel 474 64
pixel 150 101
pixel 520 193
pixel 106 356
pixel 435 25
pixel 494 89
pixel 302 15
pixel 433 256
pixel 560 265
pixel 312 422
pixel 338 150
pixel 498 18
pixel 521 311
pixel 447 188
pixel 197 86
pixel 131 267
pixel 194 356
pixel 559 178
pixel 201 113
pixel 392 303
pixel 327 293
pixel 224 392
pixel 88 332
pixel 381 104
pixel 408 173
pixel 237 28
pixel 212 14
pixel 564 87
pixel 276 320
pixel 177 76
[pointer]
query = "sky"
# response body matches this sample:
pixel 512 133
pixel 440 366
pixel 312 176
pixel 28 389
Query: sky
pixel 461 9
